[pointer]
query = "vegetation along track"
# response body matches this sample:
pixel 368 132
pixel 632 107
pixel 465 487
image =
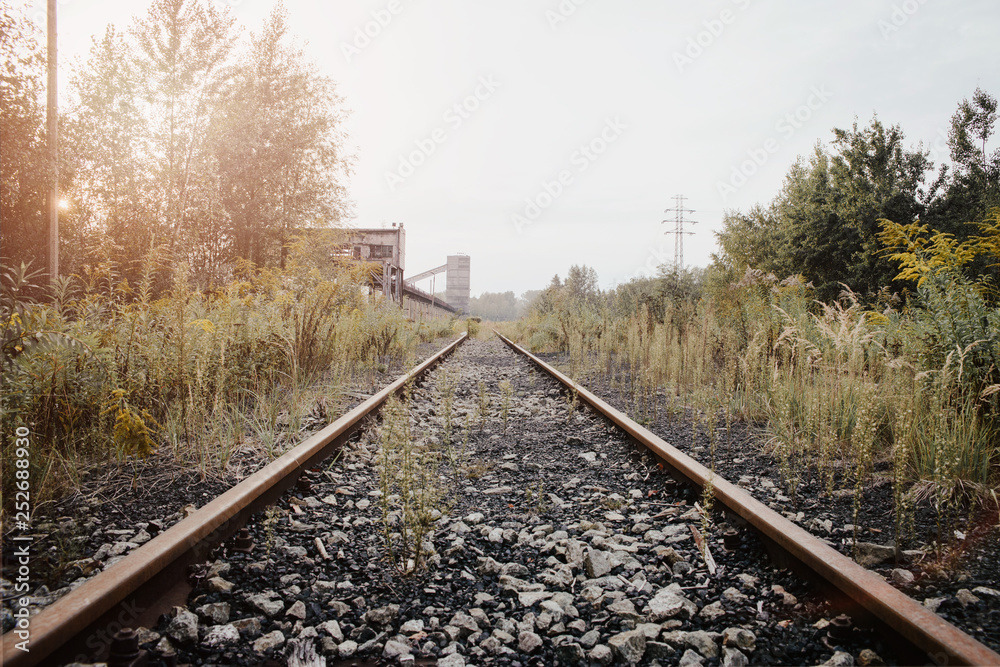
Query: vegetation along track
pixel 491 518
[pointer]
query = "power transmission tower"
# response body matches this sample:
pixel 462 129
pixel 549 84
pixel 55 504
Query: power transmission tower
pixel 678 210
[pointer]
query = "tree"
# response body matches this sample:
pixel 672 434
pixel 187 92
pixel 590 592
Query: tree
pixel 183 50
pixel 824 222
pixel 749 239
pixel 24 167
pixel 495 306
pixel 971 127
pixel 876 178
pixel 107 144
pixel 277 146
pixel 581 285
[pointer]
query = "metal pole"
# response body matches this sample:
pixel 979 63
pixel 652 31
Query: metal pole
pixel 52 139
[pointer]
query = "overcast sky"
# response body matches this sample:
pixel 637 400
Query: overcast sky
pixel 537 134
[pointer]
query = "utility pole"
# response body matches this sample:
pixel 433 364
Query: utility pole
pixel 52 140
pixel 678 210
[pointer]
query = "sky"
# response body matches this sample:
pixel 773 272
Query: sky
pixel 533 135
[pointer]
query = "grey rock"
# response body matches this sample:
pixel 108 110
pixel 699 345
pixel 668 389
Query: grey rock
pixel 651 630
pixel 218 585
pixel 347 649
pixel 740 638
pixel 691 659
pixel 733 657
pixel 165 646
pixel 568 650
pixel 339 608
pixel 734 596
pixel 901 577
pixel 869 658
pixel 503 637
pixel 965 597
pixel 221 635
pixel 465 624
pixel 590 639
pixel 217 612
pixel 596 563
pixel 667 603
pixel 453 660
pixel 529 598
pixel 933 603
pixel 670 555
pixel 382 616
pixel 712 611
pixel 625 609
pixel 840 659
pixel 628 646
pixel 297 610
pixel 682 567
pixel 868 554
pixel 394 649
pixel 658 650
pixel 412 627
pixel 491 645
pixel 263 603
pixel 184 626
pixel 269 641
pixel 528 642
pixel 332 628
pixel 699 640
pixel 987 592
pixel 601 654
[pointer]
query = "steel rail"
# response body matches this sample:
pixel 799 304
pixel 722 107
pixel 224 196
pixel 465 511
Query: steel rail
pixel 83 619
pixel 940 641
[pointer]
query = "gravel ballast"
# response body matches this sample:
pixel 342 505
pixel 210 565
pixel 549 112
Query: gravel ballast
pixel 555 542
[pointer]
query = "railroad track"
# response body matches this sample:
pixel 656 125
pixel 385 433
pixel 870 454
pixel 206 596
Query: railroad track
pixel 81 625
pixel 550 537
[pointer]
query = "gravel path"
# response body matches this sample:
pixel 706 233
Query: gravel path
pixel 552 541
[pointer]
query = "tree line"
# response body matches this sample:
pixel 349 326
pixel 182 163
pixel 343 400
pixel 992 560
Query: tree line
pixel 825 223
pixel 181 137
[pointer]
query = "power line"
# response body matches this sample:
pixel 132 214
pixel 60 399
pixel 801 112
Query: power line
pixel 678 210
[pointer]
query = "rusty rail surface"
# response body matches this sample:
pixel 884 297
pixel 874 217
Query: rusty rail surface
pixel 78 626
pixel 940 641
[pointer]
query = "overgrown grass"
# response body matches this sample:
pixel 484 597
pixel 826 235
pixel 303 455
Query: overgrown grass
pixel 104 370
pixel 853 393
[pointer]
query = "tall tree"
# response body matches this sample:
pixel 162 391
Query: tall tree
pixel 824 223
pixel 876 178
pixel 107 145
pixel 184 47
pixel 278 145
pixel 972 189
pixel 24 167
